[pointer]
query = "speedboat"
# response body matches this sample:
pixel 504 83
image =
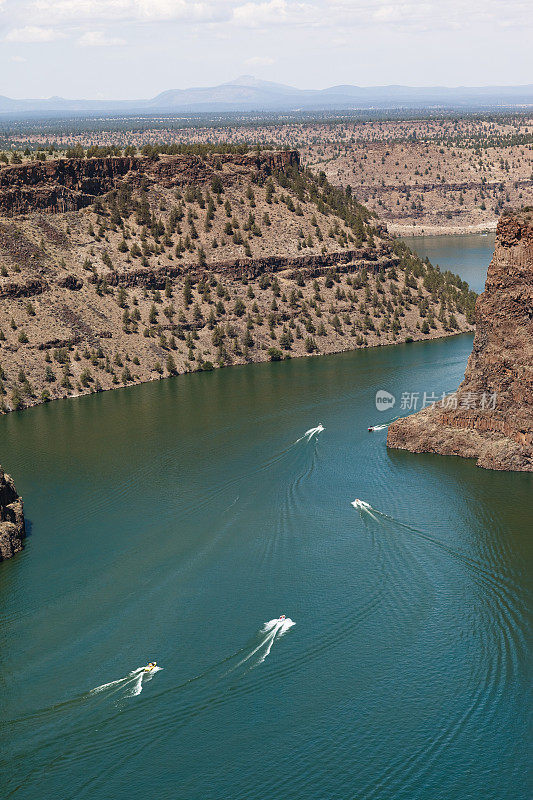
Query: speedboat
pixel 149 667
pixel 370 430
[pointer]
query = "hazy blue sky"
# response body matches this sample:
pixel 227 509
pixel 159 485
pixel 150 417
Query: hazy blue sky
pixel 137 48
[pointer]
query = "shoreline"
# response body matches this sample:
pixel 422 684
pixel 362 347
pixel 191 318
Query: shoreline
pixel 293 268
pixel 238 363
pixel 440 230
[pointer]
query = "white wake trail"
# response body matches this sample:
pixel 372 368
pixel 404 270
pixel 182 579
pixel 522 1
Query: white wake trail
pixel 308 435
pixel 144 677
pixel 137 687
pixel 494 580
pixel 272 630
pixel 132 682
pixel 278 628
pixel 383 426
pixel 363 506
pixel 118 682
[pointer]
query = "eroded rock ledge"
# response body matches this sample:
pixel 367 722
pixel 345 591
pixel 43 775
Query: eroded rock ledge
pixel 12 526
pixel 500 367
pixel 71 184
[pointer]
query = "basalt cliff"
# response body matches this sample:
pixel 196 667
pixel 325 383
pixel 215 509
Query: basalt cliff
pixel 71 184
pixel 12 527
pixel 120 270
pixel 490 418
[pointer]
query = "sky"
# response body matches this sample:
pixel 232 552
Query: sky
pixel 128 49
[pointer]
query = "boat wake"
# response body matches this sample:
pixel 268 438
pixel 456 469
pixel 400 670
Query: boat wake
pixel 308 435
pixel 129 686
pixel 365 508
pixel 383 426
pixel 214 687
pixel 379 516
pixel 271 630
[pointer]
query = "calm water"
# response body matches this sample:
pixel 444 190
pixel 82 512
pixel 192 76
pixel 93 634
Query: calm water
pixel 468 255
pixel 171 521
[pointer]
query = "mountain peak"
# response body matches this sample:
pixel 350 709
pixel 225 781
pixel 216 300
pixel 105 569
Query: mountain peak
pixel 244 80
pixel 256 83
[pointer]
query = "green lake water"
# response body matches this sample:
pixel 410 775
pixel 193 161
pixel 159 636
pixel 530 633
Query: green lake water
pixel 171 521
pixel 468 255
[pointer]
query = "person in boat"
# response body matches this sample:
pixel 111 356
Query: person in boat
pixel 281 618
pixel 149 667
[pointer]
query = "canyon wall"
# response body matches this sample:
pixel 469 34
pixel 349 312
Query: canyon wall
pixel 490 418
pixel 12 527
pixel 310 266
pixel 71 184
pixel 373 259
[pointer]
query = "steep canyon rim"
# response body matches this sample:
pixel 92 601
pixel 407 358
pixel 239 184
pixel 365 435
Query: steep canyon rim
pixel 160 265
pixel 501 364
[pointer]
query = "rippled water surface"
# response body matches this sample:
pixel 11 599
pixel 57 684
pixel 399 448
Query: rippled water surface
pixel 177 521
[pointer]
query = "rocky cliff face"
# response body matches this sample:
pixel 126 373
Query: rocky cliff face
pixel 372 259
pixel 71 184
pixel 12 528
pixel 173 272
pixel 491 416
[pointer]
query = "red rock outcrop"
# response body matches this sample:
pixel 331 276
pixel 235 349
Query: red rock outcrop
pixel 12 527
pixel 70 184
pixel 491 416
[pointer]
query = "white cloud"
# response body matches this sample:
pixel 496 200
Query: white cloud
pixel 431 15
pixel 401 12
pixel 274 12
pixel 68 10
pixel 32 33
pixel 18 59
pixel 180 10
pixel 389 12
pixel 132 10
pixel 100 39
pixel 426 14
pixel 259 61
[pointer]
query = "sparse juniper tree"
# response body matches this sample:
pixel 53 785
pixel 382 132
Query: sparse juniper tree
pixel 269 190
pixel 218 336
pixel 187 292
pixel 216 185
pixel 122 297
pixel 171 365
pixel 239 308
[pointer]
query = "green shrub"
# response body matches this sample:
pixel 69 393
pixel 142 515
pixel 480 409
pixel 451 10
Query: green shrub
pixel 274 354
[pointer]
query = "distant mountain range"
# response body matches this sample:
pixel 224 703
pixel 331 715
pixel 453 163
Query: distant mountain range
pixel 247 93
